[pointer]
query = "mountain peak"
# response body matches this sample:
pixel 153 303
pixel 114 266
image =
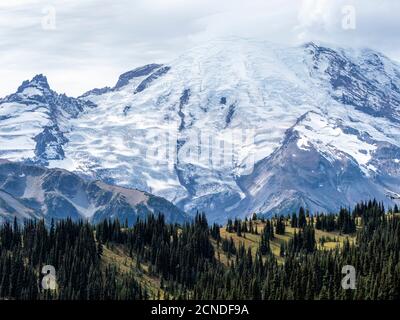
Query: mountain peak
pixel 38 82
pixel 138 72
pixel 254 125
pixel 40 79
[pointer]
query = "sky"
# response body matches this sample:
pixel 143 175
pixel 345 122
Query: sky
pixel 83 44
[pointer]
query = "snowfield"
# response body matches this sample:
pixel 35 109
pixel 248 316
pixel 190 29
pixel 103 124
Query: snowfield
pixel 198 129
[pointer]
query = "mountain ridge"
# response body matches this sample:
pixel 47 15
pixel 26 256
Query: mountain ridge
pixel 338 106
pixel 32 192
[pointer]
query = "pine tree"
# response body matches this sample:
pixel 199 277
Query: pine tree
pixel 302 218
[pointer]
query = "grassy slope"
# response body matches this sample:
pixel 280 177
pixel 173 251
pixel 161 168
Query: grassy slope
pixel 252 240
pixel 115 255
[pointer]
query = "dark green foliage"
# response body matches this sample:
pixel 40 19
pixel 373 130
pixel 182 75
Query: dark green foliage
pixel 303 241
pixel 302 218
pixel 294 221
pixel 71 248
pixel 228 246
pixel 214 232
pixel 183 258
pixel 280 225
pixel 266 235
pixel 315 274
pixel 177 253
pixel 241 227
pixel 344 222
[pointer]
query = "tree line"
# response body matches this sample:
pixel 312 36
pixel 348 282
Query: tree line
pixel 186 260
pixel 72 249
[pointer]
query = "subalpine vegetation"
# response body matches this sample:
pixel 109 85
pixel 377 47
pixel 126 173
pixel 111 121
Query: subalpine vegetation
pixel 71 248
pixel 198 261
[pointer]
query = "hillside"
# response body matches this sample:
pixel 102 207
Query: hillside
pixel 282 258
pixel 35 192
pixel 119 257
pixel 251 240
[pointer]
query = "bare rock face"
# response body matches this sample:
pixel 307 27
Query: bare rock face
pixel 32 192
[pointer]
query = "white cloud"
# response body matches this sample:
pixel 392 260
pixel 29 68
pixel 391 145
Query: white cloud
pixel 96 40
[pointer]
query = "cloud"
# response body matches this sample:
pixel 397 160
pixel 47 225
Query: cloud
pixel 376 23
pixel 96 40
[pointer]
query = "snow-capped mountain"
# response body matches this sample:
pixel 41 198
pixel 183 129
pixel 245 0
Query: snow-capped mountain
pixel 33 121
pixel 230 127
pixel 32 192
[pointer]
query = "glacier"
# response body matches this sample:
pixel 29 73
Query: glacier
pixel 230 127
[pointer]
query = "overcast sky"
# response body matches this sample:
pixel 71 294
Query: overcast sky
pixel 83 44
